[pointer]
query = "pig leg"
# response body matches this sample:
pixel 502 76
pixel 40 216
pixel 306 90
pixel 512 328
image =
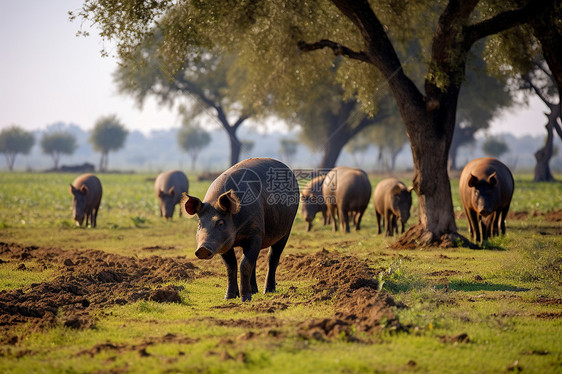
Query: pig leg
pixel 332 214
pixel 344 220
pixel 388 223
pixel 253 282
pixel 251 251
pixel 358 217
pixel 229 259
pixel 502 219
pixel 95 219
pixel 274 255
pixel 378 221
pixel 473 224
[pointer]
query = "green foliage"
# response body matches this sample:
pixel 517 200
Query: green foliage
pixel 57 144
pixel 14 140
pixel 109 134
pixel 494 147
pixel 192 139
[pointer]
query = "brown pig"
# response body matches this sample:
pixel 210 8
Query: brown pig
pixel 313 201
pixel 169 187
pixel 86 191
pixel 251 205
pixel 393 201
pixel 346 193
pixel 486 187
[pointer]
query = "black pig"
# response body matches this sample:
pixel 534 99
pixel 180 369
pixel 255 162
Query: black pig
pixel 251 205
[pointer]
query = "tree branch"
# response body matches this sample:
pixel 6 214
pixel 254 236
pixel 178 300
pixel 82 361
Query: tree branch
pixel 338 49
pixel 504 21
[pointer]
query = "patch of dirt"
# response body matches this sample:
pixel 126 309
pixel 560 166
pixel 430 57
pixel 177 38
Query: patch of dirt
pixel 350 283
pixel 456 339
pixel 140 347
pixel 87 280
pixel 554 216
pixel 444 273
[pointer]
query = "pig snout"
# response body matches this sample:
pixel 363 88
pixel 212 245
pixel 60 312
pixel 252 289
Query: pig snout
pixel 204 253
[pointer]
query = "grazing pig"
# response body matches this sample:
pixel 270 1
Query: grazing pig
pixel 86 191
pixel 486 187
pixel 169 187
pixel 251 205
pixel 313 201
pixel 392 201
pixel 346 192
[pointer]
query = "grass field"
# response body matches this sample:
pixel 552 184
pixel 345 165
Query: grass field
pixel 130 296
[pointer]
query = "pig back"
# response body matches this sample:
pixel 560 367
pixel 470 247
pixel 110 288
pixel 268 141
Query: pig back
pixel 93 197
pixel 269 197
pixel 347 187
pixel 174 178
pixel 482 168
pixel 383 196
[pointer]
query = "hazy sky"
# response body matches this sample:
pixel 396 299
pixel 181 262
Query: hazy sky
pixel 49 75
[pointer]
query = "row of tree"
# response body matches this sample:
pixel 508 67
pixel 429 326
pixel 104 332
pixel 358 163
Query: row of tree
pixel 277 54
pixel 108 135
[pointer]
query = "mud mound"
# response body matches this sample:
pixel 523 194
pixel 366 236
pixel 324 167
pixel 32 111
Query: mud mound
pixel 350 283
pixel 554 216
pixel 88 280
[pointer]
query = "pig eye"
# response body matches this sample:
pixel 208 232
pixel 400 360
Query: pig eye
pixel 220 223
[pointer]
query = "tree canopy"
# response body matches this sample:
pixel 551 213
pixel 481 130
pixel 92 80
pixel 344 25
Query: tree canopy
pixel 285 46
pixel 57 144
pixel 192 139
pixel 14 140
pixel 108 135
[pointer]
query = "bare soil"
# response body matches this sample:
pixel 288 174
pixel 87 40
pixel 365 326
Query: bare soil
pixel 90 280
pixel 87 280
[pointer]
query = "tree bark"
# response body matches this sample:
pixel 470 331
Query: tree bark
pixel 543 155
pixel 332 151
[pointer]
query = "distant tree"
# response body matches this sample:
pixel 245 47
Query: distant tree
pixel 57 144
pixel 540 81
pixel 210 82
pixel 357 147
pixel 108 135
pixel 481 98
pixel 494 147
pixel 14 140
pixel 390 140
pixel 192 139
pixel 288 149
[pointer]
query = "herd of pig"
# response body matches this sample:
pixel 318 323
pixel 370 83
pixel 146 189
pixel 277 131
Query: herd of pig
pixel 229 219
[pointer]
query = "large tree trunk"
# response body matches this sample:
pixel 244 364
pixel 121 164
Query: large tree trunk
pixel 235 148
pixel 332 150
pixel 431 131
pixel 543 155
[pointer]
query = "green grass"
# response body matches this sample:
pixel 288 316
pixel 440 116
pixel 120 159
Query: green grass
pixel 506 297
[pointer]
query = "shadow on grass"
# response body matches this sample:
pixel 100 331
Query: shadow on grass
pixel 468 286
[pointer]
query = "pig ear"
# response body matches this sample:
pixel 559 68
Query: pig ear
pixel 492 179
pixel 229 202
pixel 83 190
pixel 161 193
pixel 190 204
pixel 472 181
pixel 410 189
pixel 72 189
pixel 171 191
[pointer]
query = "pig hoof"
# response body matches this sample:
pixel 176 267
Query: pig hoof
pixel 231 295
pixel 247 297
